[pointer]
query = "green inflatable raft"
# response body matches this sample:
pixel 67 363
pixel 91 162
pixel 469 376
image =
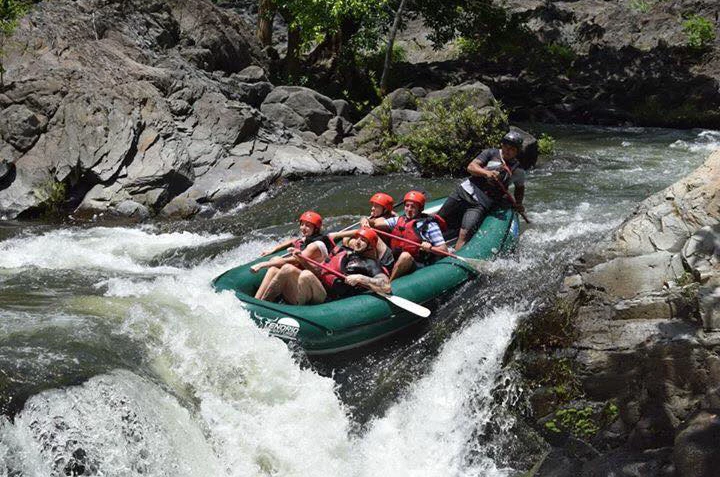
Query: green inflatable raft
pixel 351 322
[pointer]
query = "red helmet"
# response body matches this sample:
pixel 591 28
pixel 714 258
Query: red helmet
pixel 383 200
pixel 368 234
pixel 415 196
pixel 313 218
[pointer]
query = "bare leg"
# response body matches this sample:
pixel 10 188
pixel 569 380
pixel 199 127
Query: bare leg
pixel 269 275
pixel 462 238
pixel 283 283
pixel 309 289
pixel 402 266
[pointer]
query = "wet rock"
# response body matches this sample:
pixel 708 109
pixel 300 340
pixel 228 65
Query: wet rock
pixel 132 209
pixel 695 453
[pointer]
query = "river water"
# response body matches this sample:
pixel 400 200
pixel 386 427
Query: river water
pixel 117 358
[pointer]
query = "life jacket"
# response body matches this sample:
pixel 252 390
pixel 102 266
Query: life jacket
pixel 409 230
pixel 338 261
pixel 335 262
pixel 302 242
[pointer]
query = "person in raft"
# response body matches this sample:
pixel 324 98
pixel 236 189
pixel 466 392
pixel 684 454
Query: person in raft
pixel 491 173
pixel 415 226
pixel 315 285
pixel 312 242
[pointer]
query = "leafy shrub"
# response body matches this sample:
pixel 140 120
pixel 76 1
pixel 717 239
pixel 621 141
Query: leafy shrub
pixel 468 46
pixel 700 32
pixel 546 144
pixel 52 194
pixel 449 129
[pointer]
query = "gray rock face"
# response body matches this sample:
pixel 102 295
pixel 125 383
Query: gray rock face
pixel 148 107
pixel 299 108
pixel 647 306
pixel 21 127
pixel 696 452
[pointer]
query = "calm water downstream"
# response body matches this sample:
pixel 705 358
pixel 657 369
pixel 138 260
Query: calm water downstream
pixel 117 358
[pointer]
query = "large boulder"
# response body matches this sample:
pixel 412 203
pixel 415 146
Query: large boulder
pixel 299 108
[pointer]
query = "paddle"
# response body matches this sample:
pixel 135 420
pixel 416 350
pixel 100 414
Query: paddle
pixel 398 301
pixel 512 199
pixel 478 265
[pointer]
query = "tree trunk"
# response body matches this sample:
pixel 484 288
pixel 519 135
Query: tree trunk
pixel 266 15
pixel 389 50
pixel 292 57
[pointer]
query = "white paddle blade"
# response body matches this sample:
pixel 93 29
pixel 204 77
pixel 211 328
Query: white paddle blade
pixel 406 304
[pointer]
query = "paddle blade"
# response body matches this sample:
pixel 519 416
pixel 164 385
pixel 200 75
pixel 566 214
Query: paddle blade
pixel 407 305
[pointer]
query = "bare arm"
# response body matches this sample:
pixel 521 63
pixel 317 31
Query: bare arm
pixel 379 283
pixel 476 169
pixel 277 248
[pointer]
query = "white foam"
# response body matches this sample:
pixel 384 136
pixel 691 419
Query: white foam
pixel 430 432
pixel 115 249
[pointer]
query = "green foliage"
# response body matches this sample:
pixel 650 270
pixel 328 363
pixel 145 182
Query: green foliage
pixel 583 422
pixel 374 60
pixel 700 32
pixel 52 194
pixel 448 130
pixel 546 144
pixel 642 6
pixel 552 328
pixel 468 46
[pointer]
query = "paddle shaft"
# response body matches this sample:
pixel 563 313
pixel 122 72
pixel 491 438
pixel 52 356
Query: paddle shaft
pixel 512 199
pixel 432 249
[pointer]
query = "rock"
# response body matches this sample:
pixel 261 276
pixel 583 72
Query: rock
pixel 402 98
pixel 696 453
pixel 253 93
pixel 407 160
pixel 478 94
pixel 21 127
pixel 340 125
pixel 181 207
pixel 710 307
pixel 343 109
pixel 528 154
pixel 6 168
pixel 626 277
pixel 299 108
pixel 129 208
pixel 419 92
pixel 403 119
pixel 252 74
pixel 701 251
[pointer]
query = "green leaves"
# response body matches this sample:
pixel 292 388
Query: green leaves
pixel 700 32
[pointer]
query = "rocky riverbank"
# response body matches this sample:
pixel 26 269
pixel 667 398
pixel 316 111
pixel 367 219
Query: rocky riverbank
pixel 145 108
pixel 623 369
pixel 610 62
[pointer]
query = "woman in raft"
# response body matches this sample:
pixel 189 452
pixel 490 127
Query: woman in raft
pixel 312 285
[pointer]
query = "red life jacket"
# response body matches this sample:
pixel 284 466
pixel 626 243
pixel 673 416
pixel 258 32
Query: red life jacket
pixel 334 263
pixel 409 230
